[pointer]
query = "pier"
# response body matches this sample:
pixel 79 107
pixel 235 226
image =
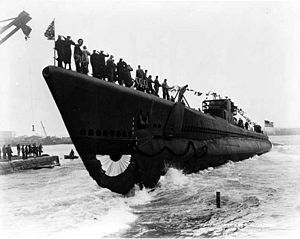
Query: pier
pixel 13 166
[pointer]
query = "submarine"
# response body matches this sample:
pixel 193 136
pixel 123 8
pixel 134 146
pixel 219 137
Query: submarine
pixel 126 137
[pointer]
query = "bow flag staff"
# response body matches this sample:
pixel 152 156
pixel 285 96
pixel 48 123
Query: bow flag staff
pixel 50 35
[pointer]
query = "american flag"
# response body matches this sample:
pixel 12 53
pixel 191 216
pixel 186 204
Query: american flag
pixel 50 32
pixel 269 123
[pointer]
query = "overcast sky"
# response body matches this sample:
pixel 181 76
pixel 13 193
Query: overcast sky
pixel 248 51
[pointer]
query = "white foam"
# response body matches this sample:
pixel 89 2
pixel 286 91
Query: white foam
pixel 114 221
pixel 140 197
pixel 174 177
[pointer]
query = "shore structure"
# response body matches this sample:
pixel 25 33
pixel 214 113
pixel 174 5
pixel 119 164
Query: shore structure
pixel 18 164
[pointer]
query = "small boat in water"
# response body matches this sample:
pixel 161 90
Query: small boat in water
pixel 70 157
pixel 126 137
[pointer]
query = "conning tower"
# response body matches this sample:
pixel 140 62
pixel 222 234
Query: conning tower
pixel 223 108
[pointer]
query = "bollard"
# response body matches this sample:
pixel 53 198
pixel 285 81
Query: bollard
pixel 218 199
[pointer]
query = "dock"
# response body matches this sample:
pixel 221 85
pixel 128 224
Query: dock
pixel 17 165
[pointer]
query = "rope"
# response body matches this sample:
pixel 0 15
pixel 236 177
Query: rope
pixel 166 148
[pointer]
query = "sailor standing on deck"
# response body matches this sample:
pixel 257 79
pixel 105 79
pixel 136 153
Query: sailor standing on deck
pixel 78 55
pixel 59 47
pixel 85 60
pixel 149 89
pixel 67 51
pixel 140 79
pixel 156 86
pixel 110 69
pixel 166 89
pixel 139 72
pixel 181 92
pixel 121 68
pixel 95 64
pixel 102 66
pixel 128 81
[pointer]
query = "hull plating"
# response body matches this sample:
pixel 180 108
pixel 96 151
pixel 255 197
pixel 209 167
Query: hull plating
pixel 108 119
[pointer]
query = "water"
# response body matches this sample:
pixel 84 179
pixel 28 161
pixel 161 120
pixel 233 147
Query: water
pixel 260 198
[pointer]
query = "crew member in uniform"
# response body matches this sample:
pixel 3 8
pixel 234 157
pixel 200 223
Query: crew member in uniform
pixel 166 89
pixel 182 90
pixel 156 86
pixel 139 80
pixel 59 47
pixel 102 66
pixel 78 55
pixel 139 72
pixel 149 89
pixel 85 60
pixel 67 51
pixel 111 69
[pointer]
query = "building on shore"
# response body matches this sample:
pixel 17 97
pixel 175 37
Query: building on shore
pixel 269 129
pixel 6 136
pixel 282 131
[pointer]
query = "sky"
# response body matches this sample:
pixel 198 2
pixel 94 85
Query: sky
pixel 246 50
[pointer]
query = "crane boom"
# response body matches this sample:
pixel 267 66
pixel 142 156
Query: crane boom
pixel 44 129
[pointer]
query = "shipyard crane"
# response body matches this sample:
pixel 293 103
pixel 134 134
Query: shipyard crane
pixel 45 133
pixel 18 22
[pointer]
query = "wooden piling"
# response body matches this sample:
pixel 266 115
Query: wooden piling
pixel 218 199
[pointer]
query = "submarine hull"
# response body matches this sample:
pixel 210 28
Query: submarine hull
pixel 103 118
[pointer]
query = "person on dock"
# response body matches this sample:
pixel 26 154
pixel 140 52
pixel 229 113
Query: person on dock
pixel 23 152
pixel 9 152
pixel 59 47
pixel 67 52
pixel 165 89
pixel 26 151
pixel 29 149
pixel 85 60
pixel 0 152
pixel 78 55
pixel 18 149
pixel 156 86
pixel 4 151
pixel 34 150
pixel 40 150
